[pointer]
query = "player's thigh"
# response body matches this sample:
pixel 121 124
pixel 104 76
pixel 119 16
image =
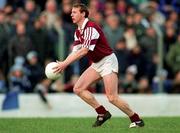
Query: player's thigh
pixel 87 78
pixel 111 84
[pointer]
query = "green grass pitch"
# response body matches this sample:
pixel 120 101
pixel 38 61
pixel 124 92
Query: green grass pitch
pixel 83 125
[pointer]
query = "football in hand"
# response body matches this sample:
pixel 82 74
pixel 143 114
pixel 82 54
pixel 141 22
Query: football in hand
pixel 50 72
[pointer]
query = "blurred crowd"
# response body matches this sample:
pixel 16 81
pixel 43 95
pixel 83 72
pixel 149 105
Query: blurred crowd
pixel 36 32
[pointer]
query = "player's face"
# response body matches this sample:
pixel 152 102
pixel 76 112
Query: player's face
pixel 76 15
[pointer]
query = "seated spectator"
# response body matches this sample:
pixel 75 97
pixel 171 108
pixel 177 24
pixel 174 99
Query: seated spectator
pixel 34 69
pixel 166 83
pixel 137 57
pixel 143 85
pixel 129 84
pixel 152 67
pixel 18 79
pixel 122 55
pixel 176 83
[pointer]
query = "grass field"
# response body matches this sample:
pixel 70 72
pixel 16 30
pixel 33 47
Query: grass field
pixel 83 125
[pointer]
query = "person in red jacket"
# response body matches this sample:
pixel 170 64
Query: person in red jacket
pixel 90 41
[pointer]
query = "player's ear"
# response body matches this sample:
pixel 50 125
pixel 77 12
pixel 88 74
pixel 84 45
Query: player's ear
pixel 83 13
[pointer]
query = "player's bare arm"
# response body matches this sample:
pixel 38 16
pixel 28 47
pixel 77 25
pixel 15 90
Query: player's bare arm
pixel 70 59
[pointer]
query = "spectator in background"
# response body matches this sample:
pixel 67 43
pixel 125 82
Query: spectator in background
pixel 109 8
pixel 16 3
pixel 158 17
pixel 174 18
pixel 35 70
pixel 138 25
pixel 130 37
pixel 50 13
pixel 150 10
pixel 64 27
pixel 138 2
pixel 4 36
pixel 130 10
pixel 143 85
pixel 122 55
pixel 23 17
pixel 129 22
pixel 51 16
pixel 66 11
pixel 137 57
pixel 129 83
pixel 176 83
pixel 169 38
pixel 40 40
pixel 152 67
pixel 149 43
pixel 96 8
pixel 112 30
pixel 20 44
pixel 167 6
pixel 60 46
pixel 32 10
pixel 171 29
pixel 98 18
pixel 166 83
pixel 9 20
pixel 168 24
pixel 41 3
pixel 18 79
pixel 173 56
pixel 121 7
pixel 19 60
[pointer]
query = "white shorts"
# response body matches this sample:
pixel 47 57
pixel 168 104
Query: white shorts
pixel 107 65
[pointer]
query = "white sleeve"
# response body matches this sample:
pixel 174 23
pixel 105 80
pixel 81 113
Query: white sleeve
pixel 76 45
pixel 91 36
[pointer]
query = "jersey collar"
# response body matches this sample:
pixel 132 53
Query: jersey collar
pixel 84 24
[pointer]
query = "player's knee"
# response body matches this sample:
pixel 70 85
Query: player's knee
pixel 77 90
pixel 112 98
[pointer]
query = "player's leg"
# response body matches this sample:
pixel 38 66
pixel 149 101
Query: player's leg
pixel 86 79
pixel 111 88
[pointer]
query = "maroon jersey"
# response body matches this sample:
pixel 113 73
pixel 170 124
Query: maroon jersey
pixel 92 37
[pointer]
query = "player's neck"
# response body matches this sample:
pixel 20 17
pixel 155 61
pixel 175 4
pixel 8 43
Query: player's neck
pixel 80 23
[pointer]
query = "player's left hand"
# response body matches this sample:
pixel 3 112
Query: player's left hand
pixel 60 67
